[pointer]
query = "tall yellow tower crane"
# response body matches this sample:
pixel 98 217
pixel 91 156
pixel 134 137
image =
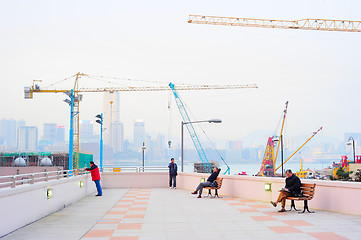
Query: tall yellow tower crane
pixel 35 88
pixel 305 24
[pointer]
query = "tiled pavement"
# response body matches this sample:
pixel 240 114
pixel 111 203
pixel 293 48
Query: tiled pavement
pixel 163 213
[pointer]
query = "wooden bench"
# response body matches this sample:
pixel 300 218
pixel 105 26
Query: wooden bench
pixel 308 191
pixel 219 182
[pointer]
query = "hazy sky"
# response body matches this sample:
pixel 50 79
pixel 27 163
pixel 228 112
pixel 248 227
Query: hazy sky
pixel 318 72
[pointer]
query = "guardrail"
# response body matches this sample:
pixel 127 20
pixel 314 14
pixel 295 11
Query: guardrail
pixel 134 169
pixel 30 178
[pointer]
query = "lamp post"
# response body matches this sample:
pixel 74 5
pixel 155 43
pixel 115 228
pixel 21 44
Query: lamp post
pixel 353 147
pixel 71 131
pixel 143 149
pixel 182 123
pixel 280 139
pixel 100 121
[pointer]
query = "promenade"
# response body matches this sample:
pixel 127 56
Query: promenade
pixel 163 213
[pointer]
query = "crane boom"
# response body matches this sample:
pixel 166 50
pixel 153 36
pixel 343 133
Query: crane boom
pixel 191 131
pixel 305 24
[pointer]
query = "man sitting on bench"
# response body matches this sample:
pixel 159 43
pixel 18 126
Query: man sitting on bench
pixel 292 188
pixel 210 180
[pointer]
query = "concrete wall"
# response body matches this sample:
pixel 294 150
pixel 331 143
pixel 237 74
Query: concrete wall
pixel 336 196
pixel 129 180
pixel 27 203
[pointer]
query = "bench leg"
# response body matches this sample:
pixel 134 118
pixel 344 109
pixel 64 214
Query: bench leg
pixel 217 194
pixel 209 192
pixel 293 206
pixel 305 207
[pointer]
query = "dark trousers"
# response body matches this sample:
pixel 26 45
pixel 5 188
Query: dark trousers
pixel 202 185
pixel 99 188
pixel 174 179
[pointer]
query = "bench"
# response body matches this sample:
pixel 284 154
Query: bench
pixel 308 191
pixel 219 182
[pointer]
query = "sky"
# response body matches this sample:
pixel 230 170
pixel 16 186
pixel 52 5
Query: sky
pixel 318 72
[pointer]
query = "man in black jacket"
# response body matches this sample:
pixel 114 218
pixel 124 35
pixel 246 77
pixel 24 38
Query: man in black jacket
pixel 292 188
pixel 172 173
pixel 210 180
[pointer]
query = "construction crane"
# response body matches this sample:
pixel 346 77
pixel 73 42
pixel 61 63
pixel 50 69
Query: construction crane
pixel 77 97
pixel 304 24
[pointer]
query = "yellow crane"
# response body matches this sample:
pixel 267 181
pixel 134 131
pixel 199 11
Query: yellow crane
pixel 35 88
pixel 305 24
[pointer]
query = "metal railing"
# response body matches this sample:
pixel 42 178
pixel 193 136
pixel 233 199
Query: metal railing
pixel 30 178
pixel 114 168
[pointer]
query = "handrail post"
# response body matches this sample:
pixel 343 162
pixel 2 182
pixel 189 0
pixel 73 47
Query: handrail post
pixel 58 175
pixel 32 178
pixel 13 181
pixel 46 176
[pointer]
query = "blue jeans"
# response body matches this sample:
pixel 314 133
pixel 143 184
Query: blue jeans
pixel 201 186
pixel 99 188
pixel 174 178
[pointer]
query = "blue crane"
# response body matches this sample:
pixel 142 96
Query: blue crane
pixel 192 132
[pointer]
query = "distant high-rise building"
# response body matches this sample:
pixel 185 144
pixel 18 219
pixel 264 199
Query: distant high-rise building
pixel 110 115
pixel 86 131
pixel 60 134
pixel 117 136
pixel 49 133
pixel 139 133
pixel 28 138
pixel 235 145
pixel 8 133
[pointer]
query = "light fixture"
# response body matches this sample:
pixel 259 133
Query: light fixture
pixel 81 184
pixel 49 193
pixel 268 187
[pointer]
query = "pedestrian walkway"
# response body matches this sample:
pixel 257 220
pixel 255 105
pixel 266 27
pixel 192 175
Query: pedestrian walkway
pixel 163 213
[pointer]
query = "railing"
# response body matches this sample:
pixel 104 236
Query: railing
pixel 31 178
pixel 134 169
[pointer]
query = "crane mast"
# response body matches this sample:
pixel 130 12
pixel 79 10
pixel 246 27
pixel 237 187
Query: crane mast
pixel 304 24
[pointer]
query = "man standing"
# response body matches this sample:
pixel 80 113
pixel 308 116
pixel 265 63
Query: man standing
pixel 292 188
pixel 210 180
pixel 94 171
pixel 172 173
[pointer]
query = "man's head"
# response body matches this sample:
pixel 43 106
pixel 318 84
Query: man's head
pixel 91 163
pixel 289 173
pixel 215 169
pixel 172 160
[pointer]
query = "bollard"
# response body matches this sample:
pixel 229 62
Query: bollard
pixel 32 179
pixel 13 181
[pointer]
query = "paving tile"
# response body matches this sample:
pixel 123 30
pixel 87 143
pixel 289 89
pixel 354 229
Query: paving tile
pixel 259 206
pixel 297 223
pixel 124 238
pixel 284 229
pixel 327 236
pixel 99 233
pixel 134 216
pixel 248 210
pixel 137 209
pixel 129 226
pixel 263 218
pixel 116 212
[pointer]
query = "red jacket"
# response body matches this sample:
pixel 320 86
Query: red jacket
pixel 94 171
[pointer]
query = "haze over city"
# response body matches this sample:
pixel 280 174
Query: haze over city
pixel 317 72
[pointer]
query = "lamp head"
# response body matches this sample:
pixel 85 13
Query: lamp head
pixel 214 120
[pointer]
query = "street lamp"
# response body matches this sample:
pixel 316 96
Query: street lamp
pixel 143 149
pixel 209 121
pixel 71 131
pixel 281 142
pixel 100 121
pixel 353 147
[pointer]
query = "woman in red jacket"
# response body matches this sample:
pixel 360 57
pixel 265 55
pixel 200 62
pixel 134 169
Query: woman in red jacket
pixel 94 171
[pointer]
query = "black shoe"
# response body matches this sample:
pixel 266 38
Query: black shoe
pixel 195 192
pixel 98 195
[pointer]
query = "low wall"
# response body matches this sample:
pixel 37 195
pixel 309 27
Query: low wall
pixel 333 196
pixel 27 203
pixel 129 180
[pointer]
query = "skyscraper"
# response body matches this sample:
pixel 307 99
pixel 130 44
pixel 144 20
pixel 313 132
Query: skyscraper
pixel 139 134
pixel 60 134
pixel 110 115
pixel 28 138
pixel 86 131
pixel 8 133
pixel 117 136
pixel 49 133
